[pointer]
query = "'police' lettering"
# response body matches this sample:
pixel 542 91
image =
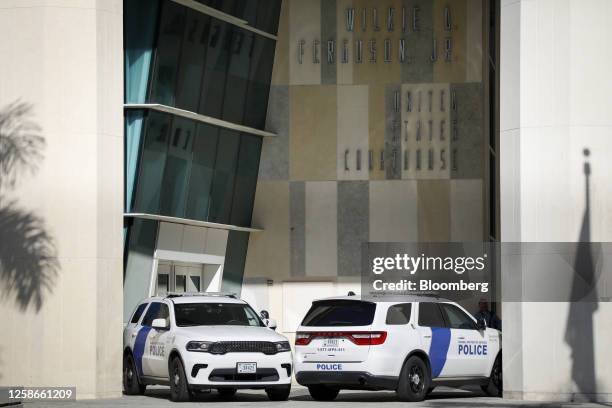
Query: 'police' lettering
pixel 329 367
pixel 473 349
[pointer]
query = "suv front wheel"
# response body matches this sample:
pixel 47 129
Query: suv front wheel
pixel 279 394
pixel 131 384
pixel 178 381
pixel 414 381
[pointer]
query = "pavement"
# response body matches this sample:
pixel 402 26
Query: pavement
pixel 440 397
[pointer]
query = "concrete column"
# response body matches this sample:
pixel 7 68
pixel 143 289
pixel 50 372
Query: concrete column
pixel 61 95
pixel 555 176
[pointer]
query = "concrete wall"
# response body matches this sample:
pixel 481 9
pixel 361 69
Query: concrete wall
pixel 61 223
pixel 556 101
pixel 315 209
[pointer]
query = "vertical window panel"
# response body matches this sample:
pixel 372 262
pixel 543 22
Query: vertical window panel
pixel 203 167
pixel 215 69
pixel 246 180
pixel 224 176
pixel 178 165
pixel 172 26
pixel 152 163
pixel 241 50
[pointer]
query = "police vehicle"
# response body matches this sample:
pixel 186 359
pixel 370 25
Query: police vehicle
pixel 201 342
pixel 409 346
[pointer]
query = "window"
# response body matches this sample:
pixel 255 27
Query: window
pixel 163 284
pixel 215 314
pixel 430 315
pixel 457 319
pixel 138 312
pixel 224 176
pixel 157 310
pixel 246 179
pixel 202 170
pixel 340 313
pixel 399 314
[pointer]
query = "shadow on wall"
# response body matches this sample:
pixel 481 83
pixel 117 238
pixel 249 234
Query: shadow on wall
pixel 579 334
pixel 28 256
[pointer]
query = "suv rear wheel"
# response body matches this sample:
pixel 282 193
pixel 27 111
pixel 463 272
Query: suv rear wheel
pixel 131 384
pixel 414 380
pixel 279 394
pixel 323 393
pixel 178 382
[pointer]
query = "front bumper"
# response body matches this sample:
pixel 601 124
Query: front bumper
pixel 204 371
pixel 359 380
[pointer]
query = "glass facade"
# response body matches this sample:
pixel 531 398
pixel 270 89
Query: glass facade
pixel 196 171
pixel 211 67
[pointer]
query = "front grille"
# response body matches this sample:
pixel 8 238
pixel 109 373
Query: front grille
pixel 230 374
pixel 223 347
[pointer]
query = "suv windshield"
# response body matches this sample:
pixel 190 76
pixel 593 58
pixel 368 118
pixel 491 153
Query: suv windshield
pixel 215 314
pixel 340 313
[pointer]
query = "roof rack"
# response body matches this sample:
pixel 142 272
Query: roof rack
pixel 217 294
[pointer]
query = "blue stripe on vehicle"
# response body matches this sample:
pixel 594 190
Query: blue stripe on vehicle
pixel 139 346
pixel 440 340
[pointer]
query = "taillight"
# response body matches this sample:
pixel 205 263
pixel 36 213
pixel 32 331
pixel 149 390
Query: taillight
pixel 361 338
pixel 302 339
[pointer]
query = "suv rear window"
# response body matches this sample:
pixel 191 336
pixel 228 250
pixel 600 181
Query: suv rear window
pixel 399 314
pixel 340 313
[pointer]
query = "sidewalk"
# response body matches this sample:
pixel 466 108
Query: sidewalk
pixel 443 397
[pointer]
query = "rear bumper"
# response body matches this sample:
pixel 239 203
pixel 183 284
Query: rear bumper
pixel 358 380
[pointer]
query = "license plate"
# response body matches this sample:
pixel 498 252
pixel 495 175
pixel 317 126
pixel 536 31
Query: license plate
pixel 333 342
pixel 246 368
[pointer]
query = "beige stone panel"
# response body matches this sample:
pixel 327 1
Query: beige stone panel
pixel 216 241
pixel 280 70
pixel 321 229
pixel 268 251
pixel 304 24
pixel 420 117
pixel 466 207
pixel 344 72
pixel 454 71
pixel 312 145
pixel 393 211
pixel 434 210
pixel 474 48
pixel 379 72
pixel 376 127
pixel 352 132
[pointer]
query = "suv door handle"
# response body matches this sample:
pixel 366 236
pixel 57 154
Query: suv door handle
pixel 133 334
pixel 427 337
pixel 461 338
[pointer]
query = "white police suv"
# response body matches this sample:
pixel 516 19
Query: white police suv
pixel 200 342
pixel 409 346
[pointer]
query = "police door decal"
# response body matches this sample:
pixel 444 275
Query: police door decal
pixel 438 350
pixel 139 347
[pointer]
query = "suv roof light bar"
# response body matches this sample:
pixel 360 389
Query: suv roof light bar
pixel 217 294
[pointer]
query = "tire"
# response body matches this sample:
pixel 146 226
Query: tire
pixel 414 380
pixel 227 392
pixel 323 393
pixel 279 394
pixel 131 383
pixel 179 392
pixel 495 386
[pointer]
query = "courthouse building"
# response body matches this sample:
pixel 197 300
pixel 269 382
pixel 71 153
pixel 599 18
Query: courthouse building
pixel 253 146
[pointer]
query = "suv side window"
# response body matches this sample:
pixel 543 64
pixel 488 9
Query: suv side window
pixel 157 310
pixel 138 312
pixel 457 318
pixel 399 314
pixel 430 315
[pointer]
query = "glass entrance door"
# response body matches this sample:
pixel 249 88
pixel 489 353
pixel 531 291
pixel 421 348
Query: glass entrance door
pixel 183 277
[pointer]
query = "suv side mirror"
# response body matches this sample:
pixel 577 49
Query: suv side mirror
pixel 271 323
pixel 160 324
pixel 481 324
pixel 264 315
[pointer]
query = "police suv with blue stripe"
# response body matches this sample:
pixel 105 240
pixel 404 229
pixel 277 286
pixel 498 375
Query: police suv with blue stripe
pixel 201 342
pixel 409 346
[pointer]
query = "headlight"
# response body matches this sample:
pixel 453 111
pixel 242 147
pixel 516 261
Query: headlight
pixel 201 346
pixel 282 346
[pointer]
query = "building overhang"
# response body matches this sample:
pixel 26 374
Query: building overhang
pixel 195 223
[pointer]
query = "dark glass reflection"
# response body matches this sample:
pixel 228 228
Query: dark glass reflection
pixel 224 175
pixel 246 180
pixel 202 169
pixel 208 66
pixel 261 14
